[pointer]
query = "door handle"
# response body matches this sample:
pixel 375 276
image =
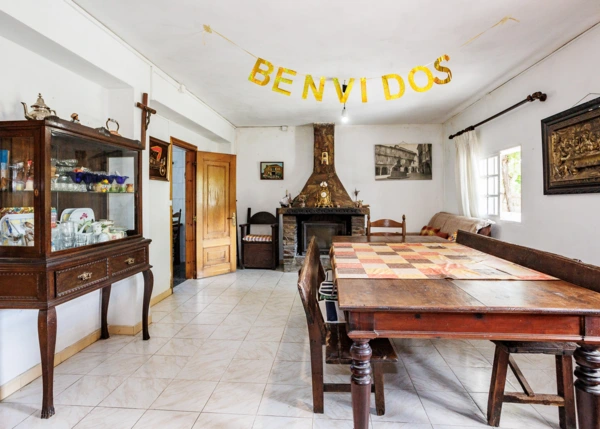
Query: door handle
pixel 232 218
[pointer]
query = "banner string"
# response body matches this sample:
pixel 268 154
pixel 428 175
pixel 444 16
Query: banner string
pixel 207 29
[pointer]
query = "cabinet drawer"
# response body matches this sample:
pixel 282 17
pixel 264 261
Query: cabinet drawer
pixel 73 279
pixel 20 285
pixel 127 261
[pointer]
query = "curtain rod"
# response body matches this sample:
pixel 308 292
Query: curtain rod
pixel 535 96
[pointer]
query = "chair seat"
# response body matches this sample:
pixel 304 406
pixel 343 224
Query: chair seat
pixel 558 349
pixel 337 347
pixel 255 238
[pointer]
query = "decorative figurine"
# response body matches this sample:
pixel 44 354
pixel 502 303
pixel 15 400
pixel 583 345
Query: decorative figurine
pixel 324 196
pixel 287 200
pixel 302 200
pixel 38 111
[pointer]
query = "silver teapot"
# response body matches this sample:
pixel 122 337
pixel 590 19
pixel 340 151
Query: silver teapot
pixel 39 110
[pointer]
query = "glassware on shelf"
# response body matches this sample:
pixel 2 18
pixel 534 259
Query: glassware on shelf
pixel 68 230
pixel 81 239
pixel 18 176
pixel 56 238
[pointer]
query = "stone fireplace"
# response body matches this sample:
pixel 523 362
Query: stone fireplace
pixel 299 224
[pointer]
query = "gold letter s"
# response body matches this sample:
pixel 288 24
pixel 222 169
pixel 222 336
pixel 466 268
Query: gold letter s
pixel 442 69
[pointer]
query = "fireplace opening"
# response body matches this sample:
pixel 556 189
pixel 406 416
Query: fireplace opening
pixel 323 232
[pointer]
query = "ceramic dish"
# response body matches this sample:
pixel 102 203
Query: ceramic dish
pixel 77 215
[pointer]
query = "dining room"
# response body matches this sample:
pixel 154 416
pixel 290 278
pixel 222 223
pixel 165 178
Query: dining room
pixel 306 215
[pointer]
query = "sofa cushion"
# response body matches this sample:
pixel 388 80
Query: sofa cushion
pixel 427 230
pixel 450 223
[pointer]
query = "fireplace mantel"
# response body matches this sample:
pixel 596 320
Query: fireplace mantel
pixel 293 211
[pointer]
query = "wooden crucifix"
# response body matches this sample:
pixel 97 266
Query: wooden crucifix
pixel 147 111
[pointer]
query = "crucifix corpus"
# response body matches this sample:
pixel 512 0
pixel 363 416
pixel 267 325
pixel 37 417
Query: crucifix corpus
pixel 147 111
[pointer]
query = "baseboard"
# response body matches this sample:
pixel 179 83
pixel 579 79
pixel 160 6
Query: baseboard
pixel 127 330
pixel 31 374
pixel 28 376
pixel 158 298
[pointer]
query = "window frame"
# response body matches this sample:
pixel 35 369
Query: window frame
pixel 495 159
pixel 486 196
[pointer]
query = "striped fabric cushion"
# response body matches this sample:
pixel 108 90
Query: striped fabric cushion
pixel 258 238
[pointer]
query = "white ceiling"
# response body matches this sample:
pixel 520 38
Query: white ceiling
pixel 343 39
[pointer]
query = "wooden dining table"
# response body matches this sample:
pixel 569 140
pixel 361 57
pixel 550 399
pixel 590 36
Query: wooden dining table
pixel 565 308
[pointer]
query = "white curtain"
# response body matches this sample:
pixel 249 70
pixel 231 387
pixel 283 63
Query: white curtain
pixel 467 173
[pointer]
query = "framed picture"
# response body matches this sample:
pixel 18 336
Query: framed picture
pixel 271 170
pixel 571 150
pixel 403 161
pixel 160 159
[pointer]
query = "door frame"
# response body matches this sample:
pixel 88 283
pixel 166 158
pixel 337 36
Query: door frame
pixel 190 208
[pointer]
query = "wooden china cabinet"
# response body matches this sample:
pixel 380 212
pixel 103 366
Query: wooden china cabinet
pixel 70 223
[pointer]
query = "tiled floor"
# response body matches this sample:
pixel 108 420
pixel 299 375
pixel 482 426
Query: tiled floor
pixel 231 352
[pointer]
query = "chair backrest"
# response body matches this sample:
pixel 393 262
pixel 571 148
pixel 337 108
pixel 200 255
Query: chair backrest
pixel 176 225
pixel 177 218
pixel 260 218
pixel 387 223
pixel 310 277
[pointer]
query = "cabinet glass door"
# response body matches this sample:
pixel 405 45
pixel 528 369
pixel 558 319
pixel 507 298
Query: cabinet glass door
pixel 17 169
pixel 94 192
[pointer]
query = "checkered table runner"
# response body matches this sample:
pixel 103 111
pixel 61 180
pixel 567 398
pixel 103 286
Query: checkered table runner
pixel 423 261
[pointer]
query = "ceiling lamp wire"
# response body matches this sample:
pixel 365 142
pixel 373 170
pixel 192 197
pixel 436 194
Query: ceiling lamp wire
pixel 344 113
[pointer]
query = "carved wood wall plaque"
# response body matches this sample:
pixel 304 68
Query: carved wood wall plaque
pixel 571 150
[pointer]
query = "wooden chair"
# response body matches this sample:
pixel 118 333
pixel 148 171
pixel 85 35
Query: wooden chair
pixel 259 251
pixel 387 223
pixel 176 237
pixel 334 337
pixel 565 399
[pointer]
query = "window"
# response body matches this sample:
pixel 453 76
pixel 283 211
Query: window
pixel 490 186
pixel 510 185
pixel 501 175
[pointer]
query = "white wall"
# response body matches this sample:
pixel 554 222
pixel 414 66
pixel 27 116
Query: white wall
pixel 50 47
pixel 355 165
pixel 565 224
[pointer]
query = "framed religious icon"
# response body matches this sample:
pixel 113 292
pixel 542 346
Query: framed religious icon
pixel 160 159
pixel 271 170
pixel 571 150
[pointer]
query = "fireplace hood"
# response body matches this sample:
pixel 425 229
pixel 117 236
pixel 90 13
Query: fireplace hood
pixel 324 169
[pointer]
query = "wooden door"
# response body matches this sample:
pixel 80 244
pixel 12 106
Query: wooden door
pixel 216 230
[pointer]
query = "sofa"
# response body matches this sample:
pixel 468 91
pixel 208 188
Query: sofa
pixel 450 223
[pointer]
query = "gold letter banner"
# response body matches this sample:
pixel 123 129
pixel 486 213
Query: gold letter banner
pixel 343 95
pixel 265 68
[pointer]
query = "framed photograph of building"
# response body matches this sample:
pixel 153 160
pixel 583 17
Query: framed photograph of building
pixel 403 161
pixel 271 170
pixel 571 150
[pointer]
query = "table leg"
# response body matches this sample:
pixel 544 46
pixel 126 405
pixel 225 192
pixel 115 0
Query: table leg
pixel 148 286
pixel 104 335
pixel 587 386
pixel 47 338
pixel 361 382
